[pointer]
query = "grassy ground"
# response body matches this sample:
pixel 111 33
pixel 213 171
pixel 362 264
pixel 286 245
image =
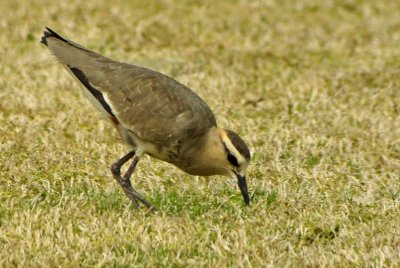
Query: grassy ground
pixel 313 86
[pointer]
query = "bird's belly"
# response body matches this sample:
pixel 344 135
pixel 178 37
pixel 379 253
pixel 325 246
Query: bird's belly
pixel 161 152
pixel 154 150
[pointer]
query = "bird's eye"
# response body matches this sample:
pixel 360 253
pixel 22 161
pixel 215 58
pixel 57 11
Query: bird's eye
pixel 232 159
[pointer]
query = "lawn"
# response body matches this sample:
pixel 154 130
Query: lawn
pixel 312 86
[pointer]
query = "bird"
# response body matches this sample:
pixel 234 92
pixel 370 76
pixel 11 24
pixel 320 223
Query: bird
pixel 154 115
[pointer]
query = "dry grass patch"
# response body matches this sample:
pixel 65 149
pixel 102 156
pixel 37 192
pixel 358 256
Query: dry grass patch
pixel 313 86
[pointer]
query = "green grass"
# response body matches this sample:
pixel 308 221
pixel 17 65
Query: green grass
pixel 312 86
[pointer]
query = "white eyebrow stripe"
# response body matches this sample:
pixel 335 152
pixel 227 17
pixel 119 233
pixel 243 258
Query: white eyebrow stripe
pixel 232 149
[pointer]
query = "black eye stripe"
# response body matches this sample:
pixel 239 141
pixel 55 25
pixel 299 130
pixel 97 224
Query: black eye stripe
pixel 232 159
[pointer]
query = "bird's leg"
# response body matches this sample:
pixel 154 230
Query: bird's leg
pixel 129 190
pixel 125 182
pixel 116 171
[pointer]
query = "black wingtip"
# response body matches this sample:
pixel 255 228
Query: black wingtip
pixel 50 33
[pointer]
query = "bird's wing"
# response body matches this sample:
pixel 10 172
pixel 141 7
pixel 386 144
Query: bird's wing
pixel 153 106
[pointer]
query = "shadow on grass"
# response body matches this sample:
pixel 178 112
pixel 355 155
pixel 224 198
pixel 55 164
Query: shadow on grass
pixel 196 203
pixel 174 202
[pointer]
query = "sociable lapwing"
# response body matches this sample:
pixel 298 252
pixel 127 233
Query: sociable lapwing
pixel 155 115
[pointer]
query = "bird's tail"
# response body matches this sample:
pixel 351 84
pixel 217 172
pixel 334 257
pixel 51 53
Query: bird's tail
pixel 79 62
pixel 68 52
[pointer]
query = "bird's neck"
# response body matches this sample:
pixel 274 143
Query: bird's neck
pixel 206 155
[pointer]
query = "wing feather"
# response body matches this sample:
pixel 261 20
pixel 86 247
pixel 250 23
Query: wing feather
pixel 154 106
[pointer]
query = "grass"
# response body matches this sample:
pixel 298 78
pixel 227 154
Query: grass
pixel 312 86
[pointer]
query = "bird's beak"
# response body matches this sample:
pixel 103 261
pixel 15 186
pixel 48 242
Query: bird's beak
pixel 243 188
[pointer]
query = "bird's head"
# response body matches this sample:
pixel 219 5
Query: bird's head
pixel 237 158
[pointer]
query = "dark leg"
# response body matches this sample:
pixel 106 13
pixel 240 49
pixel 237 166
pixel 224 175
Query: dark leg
pixel 125 182
pixel 116 171
pixel 135 194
